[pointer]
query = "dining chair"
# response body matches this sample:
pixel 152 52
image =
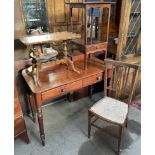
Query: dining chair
pixel 118 92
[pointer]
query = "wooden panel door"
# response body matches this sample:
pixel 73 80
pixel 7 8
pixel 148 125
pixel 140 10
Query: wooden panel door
pixel 19 24
pixel 59 16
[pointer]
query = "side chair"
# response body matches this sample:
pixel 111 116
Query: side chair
pixel 120 87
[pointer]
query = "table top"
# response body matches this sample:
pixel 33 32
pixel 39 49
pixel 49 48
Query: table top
pixel 48 37
pixel 59 76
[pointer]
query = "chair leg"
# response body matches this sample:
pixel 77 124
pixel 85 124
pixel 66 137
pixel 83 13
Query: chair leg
pixel 90 91
pixel 89 123
pixel 126 122
pixel 120 138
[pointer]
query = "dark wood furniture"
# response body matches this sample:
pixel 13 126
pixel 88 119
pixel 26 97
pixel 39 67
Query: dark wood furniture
pixel 19 122
pixel 121 86
pixel 57 81
pixel 90 44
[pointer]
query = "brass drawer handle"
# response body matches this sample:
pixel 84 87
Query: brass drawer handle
pixel 62 90
pixel 98 78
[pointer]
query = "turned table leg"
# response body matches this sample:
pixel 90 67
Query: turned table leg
pixel 32 107
pixel 38 101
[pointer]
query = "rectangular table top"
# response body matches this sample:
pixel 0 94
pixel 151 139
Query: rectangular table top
pixel 61 75
pixel 48 37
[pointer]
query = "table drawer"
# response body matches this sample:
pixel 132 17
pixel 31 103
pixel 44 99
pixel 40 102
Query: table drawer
pixel 61 90
pixel 17 108
pixel 74 86
pixel 19 126
pixel 53 93
pixel 97 47
pixel 91 48
pixel 92 79
pixel 101 46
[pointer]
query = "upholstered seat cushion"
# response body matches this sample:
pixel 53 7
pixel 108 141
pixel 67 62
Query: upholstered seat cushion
pixel 110 109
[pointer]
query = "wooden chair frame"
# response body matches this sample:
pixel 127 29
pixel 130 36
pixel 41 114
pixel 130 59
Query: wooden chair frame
pixel 115 85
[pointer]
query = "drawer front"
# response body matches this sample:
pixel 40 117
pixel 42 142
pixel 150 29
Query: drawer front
pixel 53 93
pixel 74 86
pixel 101 46
pixel 19 126
pixel 17 108
pixel 98 47
pixel 92 79
pixel 91 48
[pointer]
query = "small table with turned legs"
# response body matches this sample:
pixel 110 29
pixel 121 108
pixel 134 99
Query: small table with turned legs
pixel 60 82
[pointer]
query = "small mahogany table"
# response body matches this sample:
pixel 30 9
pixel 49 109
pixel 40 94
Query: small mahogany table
pixel 54 82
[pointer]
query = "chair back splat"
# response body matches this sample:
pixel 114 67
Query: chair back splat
pixel 123 79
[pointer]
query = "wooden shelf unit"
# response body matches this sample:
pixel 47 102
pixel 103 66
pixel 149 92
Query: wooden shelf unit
pixel 89 45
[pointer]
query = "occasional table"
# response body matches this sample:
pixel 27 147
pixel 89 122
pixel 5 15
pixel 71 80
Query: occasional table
pixel 41 39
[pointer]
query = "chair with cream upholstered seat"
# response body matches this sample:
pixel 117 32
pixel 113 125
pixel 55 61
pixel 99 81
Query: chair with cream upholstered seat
pixel 120 87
